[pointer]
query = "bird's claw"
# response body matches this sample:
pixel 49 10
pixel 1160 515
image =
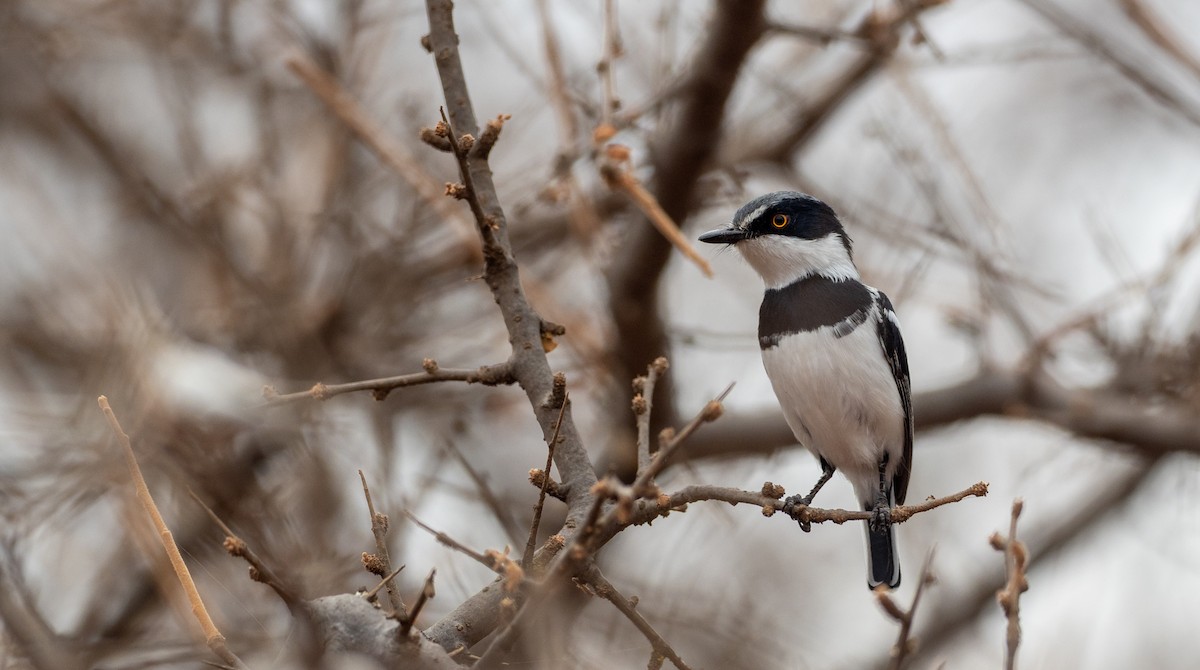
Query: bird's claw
pixel 881 517
pixel 790 508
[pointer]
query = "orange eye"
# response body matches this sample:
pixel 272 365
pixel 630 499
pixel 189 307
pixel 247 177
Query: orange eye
pixel 779 220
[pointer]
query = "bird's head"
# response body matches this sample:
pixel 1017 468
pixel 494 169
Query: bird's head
pixel 787 236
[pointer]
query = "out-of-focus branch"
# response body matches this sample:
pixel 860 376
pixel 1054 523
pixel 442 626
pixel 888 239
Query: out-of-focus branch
pixel 259 570
pixel 905 643
pixel 618 177
pixel 1101 415
pixel 1143 78
pixel 1153 27
pixel 949 616
pixel 881 29
pixel 682 153
pixel 28 631
pixel 393 154
pixel 604 588
pixel 212 635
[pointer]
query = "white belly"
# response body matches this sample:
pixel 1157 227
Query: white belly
pixel 841 405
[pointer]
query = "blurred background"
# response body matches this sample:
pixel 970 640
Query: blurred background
pixel 185 221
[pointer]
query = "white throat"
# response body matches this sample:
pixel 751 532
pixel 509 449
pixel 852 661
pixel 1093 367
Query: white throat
pixel 781 260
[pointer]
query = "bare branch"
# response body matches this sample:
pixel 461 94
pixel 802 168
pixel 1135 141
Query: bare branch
pixel 606 590
pixel 769 501
pixel 212 635
pixel 951 616
pixel 612 51
pixel 1016 556
pixel 1152 26
pixel 1147 80
pixel 427 593
pixel 488 375
pixel 380 563
pixel 905 645
pixel 479 615
pixel 711 412
pixel 643 396
pixel 618 178
pixel 259 570
pixel 527 556
pixel 681 153
pixel 370 595
pixel 393 154
pixel 1151 427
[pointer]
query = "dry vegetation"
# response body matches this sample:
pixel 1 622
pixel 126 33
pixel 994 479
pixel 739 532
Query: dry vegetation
pixel 433 246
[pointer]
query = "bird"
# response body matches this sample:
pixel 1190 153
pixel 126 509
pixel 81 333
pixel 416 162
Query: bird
pixel 832 349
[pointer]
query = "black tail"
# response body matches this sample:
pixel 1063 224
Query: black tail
pixel 883 562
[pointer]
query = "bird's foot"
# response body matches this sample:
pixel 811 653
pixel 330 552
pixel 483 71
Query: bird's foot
pixel 881 516
pixel 793 505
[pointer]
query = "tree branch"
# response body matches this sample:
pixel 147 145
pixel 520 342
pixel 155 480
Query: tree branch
pixel 476 617
pixel 488 375
pixel 212 635
pixel 682 152
pixel 1152 428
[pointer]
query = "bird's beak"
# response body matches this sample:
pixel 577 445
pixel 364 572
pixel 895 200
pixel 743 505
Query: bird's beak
pixel 724 236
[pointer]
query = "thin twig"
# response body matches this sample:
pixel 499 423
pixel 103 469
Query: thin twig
pixel 499 510
pixel 643 399
pixel 212 635
pixel 820 35
pixel 595 530
pixel 612 51
pixel 606 590
pixel 1015 557
pixel 771 503
pixel 711 412
pixel 259 570
pixel 380 563
pixel 1146 79
pixel 557 88
pixel 393 154
pixel 527 556
pixel 427 593
pixel 370 595
pixel 620 179
pixel 449 541
pixel 488 375
pixel 905 644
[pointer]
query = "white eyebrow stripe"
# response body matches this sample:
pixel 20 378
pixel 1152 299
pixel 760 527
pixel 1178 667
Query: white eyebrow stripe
pixel 745 220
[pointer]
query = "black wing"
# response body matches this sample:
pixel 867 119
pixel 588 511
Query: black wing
pixel 893 349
